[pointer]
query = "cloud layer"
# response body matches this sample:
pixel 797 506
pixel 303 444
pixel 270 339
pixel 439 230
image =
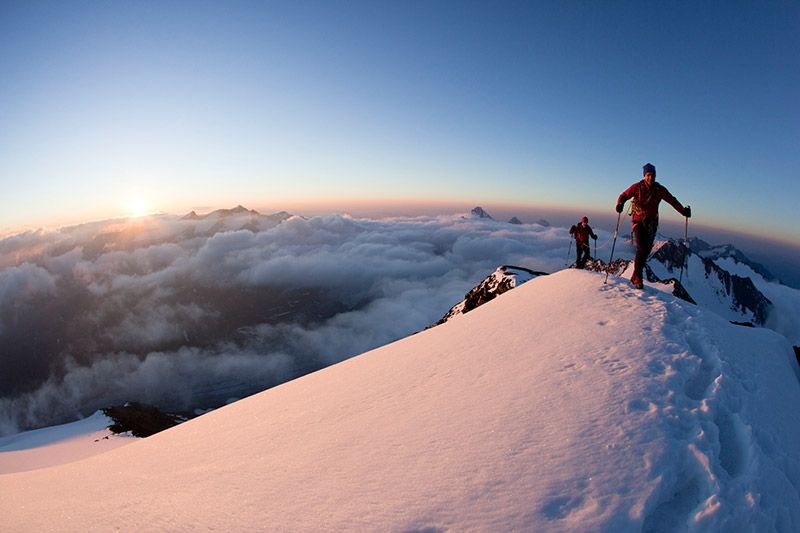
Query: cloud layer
pixel 190 313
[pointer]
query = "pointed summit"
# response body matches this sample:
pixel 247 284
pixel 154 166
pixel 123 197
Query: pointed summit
pixel 515 220
pixel 478 212
pixel 192 215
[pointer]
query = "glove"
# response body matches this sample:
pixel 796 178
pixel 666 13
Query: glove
pixel 594 237
pixel 620 207
pixel 687 212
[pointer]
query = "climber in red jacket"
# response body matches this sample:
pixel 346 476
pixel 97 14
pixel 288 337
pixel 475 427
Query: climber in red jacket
pixel 645 196
pixel 582 231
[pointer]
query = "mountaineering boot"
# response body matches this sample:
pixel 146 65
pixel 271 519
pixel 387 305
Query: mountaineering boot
pixel 636 281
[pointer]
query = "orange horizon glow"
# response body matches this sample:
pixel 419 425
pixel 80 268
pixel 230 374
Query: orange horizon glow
pixel 138 207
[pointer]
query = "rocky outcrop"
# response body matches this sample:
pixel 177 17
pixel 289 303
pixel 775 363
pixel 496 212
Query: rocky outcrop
pixel 141 420
pixel 501 280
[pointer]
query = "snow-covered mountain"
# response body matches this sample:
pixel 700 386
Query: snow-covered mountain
pixel 727 251
pixel 712 286
pixel 563 405
pixel 732 288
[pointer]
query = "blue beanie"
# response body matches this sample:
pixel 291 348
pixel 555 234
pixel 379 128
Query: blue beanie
pixel 649 168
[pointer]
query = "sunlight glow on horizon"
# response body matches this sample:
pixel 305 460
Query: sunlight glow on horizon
pixel 138 207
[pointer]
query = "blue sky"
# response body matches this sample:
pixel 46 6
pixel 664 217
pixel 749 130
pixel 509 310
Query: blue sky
pixel 106 106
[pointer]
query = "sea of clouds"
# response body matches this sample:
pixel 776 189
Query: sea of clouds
pixel 189 314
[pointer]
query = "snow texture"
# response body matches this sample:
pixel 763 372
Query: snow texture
pixel 56 445
pixel 562 405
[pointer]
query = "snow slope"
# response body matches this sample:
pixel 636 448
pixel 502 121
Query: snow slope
pixel 562 405
pixel 57 445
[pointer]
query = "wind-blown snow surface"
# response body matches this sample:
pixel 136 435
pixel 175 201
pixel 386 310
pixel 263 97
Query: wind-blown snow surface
pixel 562 405
pixel 40 448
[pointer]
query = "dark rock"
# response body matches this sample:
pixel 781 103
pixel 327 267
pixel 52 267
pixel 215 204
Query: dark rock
pixel 140 419
pixel 478 212
pixel 515 220
pixel 501 280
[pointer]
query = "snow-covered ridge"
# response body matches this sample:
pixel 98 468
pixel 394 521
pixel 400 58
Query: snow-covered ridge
pixel 564 405
pixel 724 285
pixel 501 280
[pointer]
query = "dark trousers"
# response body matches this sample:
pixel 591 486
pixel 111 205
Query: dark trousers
pixel 645 233
pixel 582 250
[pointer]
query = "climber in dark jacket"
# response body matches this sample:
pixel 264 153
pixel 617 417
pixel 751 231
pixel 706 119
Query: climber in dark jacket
pixel 582 231
pixel 645 196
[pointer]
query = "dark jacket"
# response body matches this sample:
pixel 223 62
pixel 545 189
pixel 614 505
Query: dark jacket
pixel 582 233
pixel 646 200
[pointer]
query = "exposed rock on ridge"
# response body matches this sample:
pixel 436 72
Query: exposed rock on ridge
pixel 140 419
pixel 501 280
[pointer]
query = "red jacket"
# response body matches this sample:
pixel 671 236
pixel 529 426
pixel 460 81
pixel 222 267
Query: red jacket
pixel 582 233
pixel 646 199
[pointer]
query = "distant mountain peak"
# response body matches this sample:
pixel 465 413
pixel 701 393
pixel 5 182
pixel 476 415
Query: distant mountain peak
pixel 478 212
pixel 515 220
pixel 238 218
pixel 222 213
pixel 238 210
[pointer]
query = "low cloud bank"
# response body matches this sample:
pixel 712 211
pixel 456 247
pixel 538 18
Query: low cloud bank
pixel 188 313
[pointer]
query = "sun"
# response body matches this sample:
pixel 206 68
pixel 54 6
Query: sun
pixel 138 207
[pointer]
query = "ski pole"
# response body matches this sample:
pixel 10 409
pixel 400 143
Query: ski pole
pixel 616 230
pixel 685 255
pixel 569 248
